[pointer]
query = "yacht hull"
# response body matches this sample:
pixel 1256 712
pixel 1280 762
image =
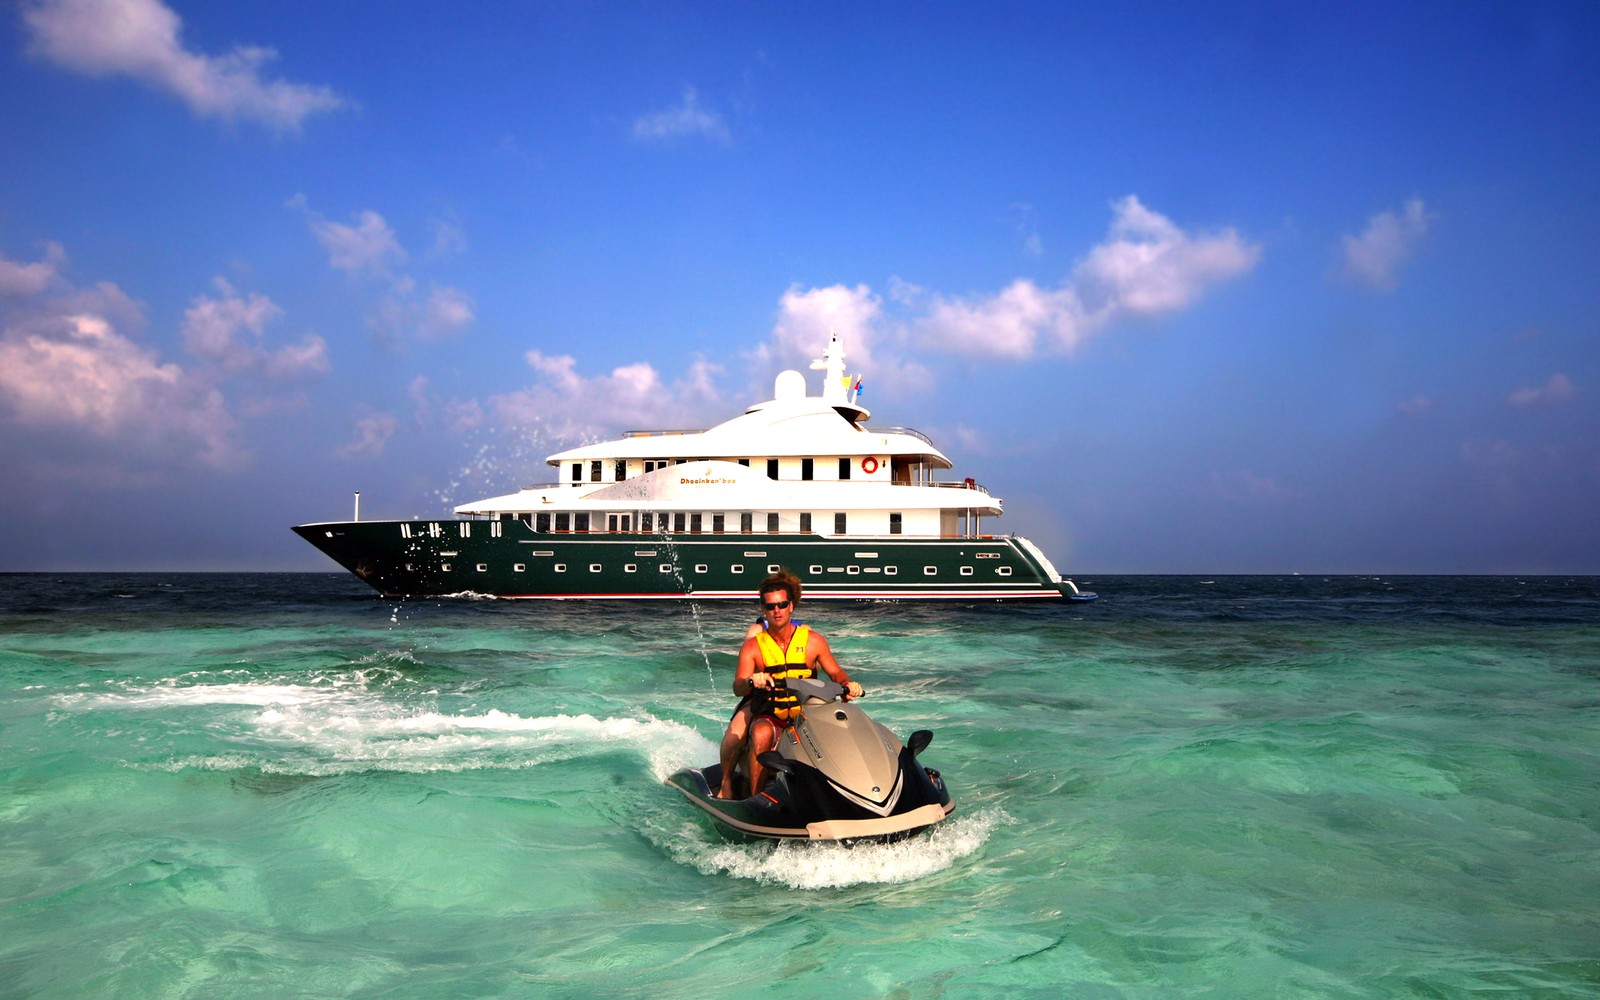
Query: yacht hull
pixel 506 558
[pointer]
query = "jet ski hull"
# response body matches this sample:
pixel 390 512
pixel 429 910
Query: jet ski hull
pixel 794 807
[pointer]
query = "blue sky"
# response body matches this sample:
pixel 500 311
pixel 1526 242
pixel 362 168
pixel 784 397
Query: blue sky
pixel 1194 288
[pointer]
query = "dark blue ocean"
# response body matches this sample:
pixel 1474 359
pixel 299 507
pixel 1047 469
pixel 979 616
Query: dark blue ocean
pixel 283 786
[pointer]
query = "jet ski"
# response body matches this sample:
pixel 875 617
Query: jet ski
pixel 835 775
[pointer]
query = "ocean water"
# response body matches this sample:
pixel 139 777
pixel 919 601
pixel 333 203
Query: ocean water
pixel 282 786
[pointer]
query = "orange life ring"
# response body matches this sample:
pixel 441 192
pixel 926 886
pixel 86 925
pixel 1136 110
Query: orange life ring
pixel 869 465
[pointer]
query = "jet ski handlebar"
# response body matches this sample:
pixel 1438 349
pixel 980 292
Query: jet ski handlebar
pixel 822 689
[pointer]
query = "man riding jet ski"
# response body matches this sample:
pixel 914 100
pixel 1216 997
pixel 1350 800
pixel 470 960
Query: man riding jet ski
pixel 839 775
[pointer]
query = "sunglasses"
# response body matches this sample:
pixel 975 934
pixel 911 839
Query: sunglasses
pixel 774 605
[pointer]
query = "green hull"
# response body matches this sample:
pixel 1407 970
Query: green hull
pixel 506 558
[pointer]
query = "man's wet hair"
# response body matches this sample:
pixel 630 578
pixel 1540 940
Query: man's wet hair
pixel 781 580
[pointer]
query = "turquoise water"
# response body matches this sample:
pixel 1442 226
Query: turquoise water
pixel 280 786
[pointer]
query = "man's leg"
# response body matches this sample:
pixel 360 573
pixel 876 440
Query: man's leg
pixel 763 737
pixel 732 740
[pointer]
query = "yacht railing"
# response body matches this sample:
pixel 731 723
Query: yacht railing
pixel 666 433
pixel 925 439
pixel 963 484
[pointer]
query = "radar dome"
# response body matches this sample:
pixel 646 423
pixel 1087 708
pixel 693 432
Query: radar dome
pixel 789 385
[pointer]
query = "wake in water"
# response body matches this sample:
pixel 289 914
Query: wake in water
pixel 832 865
pixel 345 722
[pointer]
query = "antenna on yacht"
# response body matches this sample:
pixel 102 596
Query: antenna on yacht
pixel 837 387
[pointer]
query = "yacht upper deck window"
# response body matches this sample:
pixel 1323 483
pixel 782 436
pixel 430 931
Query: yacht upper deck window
pixel 772 468
pixel 844 468
pixel 807 468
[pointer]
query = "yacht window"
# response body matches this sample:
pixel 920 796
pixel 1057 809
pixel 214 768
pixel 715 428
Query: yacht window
pixel 647 521
pixel 520 568
pixel 747 522
pixel 700 567
pixel 844 468
pixel 838 524
pixel 466 529
pixel 772 468
pixel 772 523
pixel 744 462
pixel 483 567
pixel 895 527
pixel 622 470
pixel 541 522
pixel 594 567
pixel 695 521
pixel 891 570
pixel 630 567
pixel 930 571
pixel 807 468
pixel 563 522
pixel 718 522
pixel 1003 571
pixel 737 568
pixel 805 522
pixel 577 472
pixel 594 471
pixel 816 570
pixel 580 522
pixel 678 521
pixel 966 571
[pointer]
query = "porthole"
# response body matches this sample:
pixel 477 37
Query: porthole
pixel 1003 571
pixel 445 567
pixel 483 567
pixel 595 567
pixel 930 571
pixel 520 567
pixel 631 568
pixel 966 571
pixel 700 567
pixel 737 568
pixel 891 570
pixel 561 567
pixel 816 570
pixel 853 570
pixel 666 567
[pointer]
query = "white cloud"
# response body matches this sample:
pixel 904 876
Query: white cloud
pixel 141 39
pixel 25 280
pixel 368 246
pixel 564 405
pixel 1372 260
pixel 372 434
pixel 808 318
pixel 1558 388
pixel 228 330
pixel 1415 405
pixel 1147 266
pixel 448 311
pixel 66 365
pixel 686 119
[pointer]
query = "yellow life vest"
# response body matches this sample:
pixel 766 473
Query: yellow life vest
pixel 783 665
